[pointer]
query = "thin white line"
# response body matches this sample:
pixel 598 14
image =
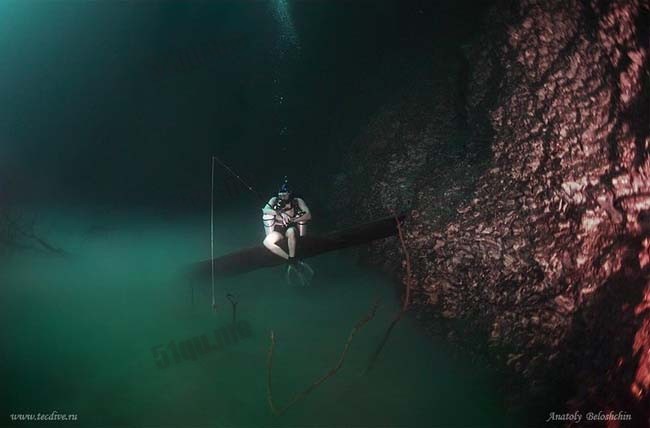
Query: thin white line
pixel 214 303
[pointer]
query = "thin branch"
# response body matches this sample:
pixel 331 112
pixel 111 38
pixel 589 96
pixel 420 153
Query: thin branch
pixel 407 259
pixel 43 243
pixel 14 229
pixel 233 303
pixel 301 395
pixel 405 301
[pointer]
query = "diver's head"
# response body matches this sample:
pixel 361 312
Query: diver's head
pixel 284 193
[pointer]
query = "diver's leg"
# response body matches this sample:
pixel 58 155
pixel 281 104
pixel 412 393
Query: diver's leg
pixel 291 241
pixel 298 268
pixel 294 276
pixel 271 242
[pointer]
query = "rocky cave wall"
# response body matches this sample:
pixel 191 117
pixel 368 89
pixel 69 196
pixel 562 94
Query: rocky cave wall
pixel 544 252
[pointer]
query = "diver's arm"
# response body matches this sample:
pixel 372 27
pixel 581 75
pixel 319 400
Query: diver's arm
pixel 306 214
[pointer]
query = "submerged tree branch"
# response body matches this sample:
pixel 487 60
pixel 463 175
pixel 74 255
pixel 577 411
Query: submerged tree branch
pixel 405 301
pixel 233 303
pixel 301 395
pixel 16 233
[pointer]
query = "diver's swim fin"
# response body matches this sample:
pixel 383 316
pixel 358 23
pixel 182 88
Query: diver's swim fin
pixel 293 276
pixel 299 273
pixel 306 271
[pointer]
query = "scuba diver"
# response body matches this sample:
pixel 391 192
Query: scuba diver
pixel 287 216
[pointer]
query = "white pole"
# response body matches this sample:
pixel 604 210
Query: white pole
pixel 214 302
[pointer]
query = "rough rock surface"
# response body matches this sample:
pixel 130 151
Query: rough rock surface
pixel 418 145
pixel 547 255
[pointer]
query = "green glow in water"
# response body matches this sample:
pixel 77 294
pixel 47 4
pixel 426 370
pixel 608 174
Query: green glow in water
pixel 82 330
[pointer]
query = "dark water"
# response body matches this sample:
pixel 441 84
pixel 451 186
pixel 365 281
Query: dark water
pixel 110 113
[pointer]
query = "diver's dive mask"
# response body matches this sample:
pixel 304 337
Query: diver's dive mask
pixel 284 194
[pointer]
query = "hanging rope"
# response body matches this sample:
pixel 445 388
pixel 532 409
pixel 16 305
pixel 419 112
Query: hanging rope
pixel 247 186
pixel 214 301
pixel 241 180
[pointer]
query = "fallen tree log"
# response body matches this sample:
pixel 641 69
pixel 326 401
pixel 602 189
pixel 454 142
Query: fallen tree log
pixel 259 257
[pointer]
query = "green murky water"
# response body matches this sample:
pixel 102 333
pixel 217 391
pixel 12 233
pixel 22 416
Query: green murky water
pixel 78 334
pixel 124 103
